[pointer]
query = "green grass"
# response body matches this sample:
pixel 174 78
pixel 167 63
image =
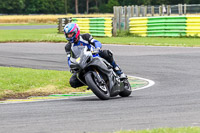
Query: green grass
pixel 154 41
pixel 31 35
pixel 23 82
pixel 51 35
pixel 26 24
pixel 167 130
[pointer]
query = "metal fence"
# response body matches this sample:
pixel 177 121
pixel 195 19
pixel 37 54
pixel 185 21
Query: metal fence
pixel 122 14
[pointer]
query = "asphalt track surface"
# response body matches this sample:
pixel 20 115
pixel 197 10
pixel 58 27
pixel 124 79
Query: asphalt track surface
pixel 27 27
pixel 174 100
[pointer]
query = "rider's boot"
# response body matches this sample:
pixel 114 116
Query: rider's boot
pixel 118 70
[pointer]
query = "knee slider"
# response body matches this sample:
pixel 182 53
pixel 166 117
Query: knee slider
pixel 110 53
pixel 109 56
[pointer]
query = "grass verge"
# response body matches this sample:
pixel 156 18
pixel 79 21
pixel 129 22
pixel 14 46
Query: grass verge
pixel 153 41
pixel 26 24
pixel 167 130
pixel 51 35
pixel 31 35
pixel 25 82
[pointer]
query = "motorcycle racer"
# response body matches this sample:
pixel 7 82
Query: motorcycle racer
pixel 72 34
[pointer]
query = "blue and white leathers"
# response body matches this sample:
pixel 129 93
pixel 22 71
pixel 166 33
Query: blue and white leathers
pixel 84 40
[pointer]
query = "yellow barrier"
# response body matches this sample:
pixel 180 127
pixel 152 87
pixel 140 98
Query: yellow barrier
pixel 193 26
pixel 138 26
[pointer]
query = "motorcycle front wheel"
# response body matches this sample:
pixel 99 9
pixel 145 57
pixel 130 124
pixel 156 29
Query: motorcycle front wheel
pixel 101 91
pixel 127 89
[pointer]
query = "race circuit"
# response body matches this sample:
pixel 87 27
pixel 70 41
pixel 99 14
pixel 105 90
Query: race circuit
pixel 172 102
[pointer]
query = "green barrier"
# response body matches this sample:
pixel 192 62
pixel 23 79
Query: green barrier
pixel 95 26
pixel 172 33
pixel 165 26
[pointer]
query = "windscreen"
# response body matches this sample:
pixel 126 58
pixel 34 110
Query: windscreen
pixel 76 51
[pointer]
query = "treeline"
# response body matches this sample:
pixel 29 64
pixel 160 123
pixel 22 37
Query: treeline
pixel 76 6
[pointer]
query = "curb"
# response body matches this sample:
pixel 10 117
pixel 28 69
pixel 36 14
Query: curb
pixel 137 83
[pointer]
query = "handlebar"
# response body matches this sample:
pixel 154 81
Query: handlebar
pixel 96 51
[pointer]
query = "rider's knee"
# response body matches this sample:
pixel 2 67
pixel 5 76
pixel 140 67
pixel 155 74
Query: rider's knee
pixel 108 55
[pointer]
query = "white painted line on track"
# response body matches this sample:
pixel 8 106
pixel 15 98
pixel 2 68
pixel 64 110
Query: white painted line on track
pixel 46 100
pixel 151 83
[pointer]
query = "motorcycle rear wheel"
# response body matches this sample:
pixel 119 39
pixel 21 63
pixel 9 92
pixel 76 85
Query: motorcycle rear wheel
pixel 102 94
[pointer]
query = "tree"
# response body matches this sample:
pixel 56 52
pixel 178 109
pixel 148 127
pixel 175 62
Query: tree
pixel 110 5
pixel 87 6
pixel 66 5
pixel 194 2
pixel 12 7
pixel 32 6
pixel 76 6
pixel 94 6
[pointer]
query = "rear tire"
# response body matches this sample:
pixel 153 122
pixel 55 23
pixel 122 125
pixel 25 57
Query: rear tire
pixel 127 89
pixel 102 94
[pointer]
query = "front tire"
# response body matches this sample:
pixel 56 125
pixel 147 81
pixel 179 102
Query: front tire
pixel 127 89
pixel 101 92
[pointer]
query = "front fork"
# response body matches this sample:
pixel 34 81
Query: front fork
pixel 94 72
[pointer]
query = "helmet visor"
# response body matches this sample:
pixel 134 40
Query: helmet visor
pixel 69 35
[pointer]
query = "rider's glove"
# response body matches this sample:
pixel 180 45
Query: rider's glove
pixel 96 50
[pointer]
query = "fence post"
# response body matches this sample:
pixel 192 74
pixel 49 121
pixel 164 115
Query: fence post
pixel 152 10
pixel 181 6
pixel 132 11
pixel 115 21
pixel 185 9
pixel 168 10
pixel 125 17
pixel 128 16
pixel 120 17
pixel 180 9
pixel 145 11
pixel 137 10
pixel 142 10
pixel 59 25
pixel 160 10
pixel 67 20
